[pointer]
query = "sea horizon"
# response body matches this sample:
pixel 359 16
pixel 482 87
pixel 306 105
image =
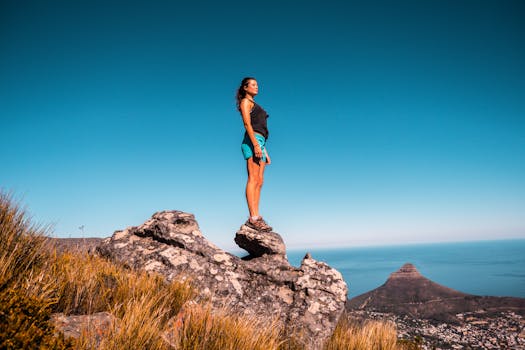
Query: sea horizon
pixel 348 245
pixel 481 267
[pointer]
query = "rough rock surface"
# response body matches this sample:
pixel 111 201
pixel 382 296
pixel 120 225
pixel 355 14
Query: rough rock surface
pixel 259 243
pixel 307 300
pixel 72 326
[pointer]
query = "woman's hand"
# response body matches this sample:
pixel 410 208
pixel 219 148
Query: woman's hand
pixel 257 150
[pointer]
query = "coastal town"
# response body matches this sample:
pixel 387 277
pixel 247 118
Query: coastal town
pixel 474 330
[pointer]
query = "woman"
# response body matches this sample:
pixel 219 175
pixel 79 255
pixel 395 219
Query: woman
pixel 253 148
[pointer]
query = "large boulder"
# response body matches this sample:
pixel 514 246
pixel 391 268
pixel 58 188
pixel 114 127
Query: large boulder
pixel 258 243
pixel 308 300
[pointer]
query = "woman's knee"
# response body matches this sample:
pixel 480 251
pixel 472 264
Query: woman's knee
pixel 255 180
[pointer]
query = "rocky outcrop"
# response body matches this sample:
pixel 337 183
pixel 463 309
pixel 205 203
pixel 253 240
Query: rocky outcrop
pixel 259 243
pixel 308 300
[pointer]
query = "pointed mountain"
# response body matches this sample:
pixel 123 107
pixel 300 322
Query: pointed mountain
pixel 407 292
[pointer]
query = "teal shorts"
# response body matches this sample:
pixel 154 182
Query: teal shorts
pixel 247 146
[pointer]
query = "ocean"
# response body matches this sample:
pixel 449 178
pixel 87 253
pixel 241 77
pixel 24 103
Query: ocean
pixel 495 268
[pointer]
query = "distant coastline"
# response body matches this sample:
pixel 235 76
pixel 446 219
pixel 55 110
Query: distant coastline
pixel 488 267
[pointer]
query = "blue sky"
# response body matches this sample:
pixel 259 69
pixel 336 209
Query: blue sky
pixel 390 121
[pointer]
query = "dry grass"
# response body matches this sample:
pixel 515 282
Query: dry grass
pixel 140 326
pixel 225 330
pixel 44 281
pixel 25 302
pixel 376 335
pixel 143 303
pixel 35 280
pixel 22 244
pixel 87 284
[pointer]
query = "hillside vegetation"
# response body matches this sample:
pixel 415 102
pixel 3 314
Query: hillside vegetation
pixel 36 281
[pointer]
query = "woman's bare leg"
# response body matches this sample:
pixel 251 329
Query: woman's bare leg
pixel 260 178
pixel 253 185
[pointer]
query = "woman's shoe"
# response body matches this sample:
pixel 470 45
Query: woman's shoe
pixel 258 225
pixel 266 226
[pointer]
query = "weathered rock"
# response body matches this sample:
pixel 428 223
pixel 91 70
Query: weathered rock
pixel 259 243
pixel 98 325
pixel 175 324
pixel 307 300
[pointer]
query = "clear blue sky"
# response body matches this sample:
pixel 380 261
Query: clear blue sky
pixel 391 121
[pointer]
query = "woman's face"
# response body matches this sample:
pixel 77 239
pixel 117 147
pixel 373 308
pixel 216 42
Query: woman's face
pixel 252 87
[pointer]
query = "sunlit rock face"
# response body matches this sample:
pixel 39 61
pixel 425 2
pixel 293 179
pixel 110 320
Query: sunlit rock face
pixel 307 300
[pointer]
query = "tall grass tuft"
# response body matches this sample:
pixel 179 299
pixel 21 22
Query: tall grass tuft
pixel 86 284
pixel 140 326
pixel 225 330
pixel 351 335
pixel 25 303
pixel 143 306
pixel 21 244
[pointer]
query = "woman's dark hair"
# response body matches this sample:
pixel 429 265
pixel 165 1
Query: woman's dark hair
pixel 241 93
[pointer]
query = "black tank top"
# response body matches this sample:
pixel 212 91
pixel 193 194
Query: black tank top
pixel 258 118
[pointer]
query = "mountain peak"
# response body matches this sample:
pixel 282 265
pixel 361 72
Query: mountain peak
pixel 406 271
pixel 407 292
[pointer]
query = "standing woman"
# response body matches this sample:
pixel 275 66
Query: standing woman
pixel 253 148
